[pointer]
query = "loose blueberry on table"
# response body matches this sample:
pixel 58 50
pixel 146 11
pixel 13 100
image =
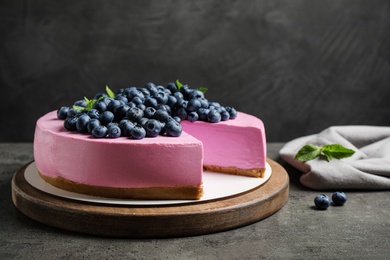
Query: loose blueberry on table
pixel 138 112
pixel 322 201
pixel 339 198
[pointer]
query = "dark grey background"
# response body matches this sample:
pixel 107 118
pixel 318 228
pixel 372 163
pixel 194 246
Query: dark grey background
pixel 300 66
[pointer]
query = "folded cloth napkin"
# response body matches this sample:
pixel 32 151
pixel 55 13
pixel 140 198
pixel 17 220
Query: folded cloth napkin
pixel 367 169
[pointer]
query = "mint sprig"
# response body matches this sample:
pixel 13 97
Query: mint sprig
pixel 330 151
pixel 91 102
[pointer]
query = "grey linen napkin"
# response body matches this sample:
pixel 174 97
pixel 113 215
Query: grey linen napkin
pixel 367 169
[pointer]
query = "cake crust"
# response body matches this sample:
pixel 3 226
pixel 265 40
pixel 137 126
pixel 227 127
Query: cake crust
pixel 257 172
pixel 147 193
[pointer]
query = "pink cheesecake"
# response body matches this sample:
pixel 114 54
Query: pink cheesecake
pixel 152 168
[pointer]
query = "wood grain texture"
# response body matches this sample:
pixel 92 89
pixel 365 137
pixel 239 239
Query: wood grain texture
pixel 157 221
pixel 298 65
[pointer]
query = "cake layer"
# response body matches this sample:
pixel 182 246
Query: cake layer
pixel 235 146
pixel 116 163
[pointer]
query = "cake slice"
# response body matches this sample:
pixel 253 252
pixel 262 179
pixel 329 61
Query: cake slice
pixel 234 146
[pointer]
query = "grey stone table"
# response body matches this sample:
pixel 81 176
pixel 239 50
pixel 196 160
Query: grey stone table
pixel 358 230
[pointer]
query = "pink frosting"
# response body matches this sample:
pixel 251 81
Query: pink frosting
pixel 233 143
pixel 122 162
pixel 150 162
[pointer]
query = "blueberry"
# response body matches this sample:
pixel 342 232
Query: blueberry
pixel 214 104
pixel 204 102
pixel 93 113
pixel 149 112
pixel 322 201
pixel 82 123
pixel 126 126
pixel 193 105
pixel 145 92
pixel 185 90
pixel 151 102
pixel 138 132
pixel 92 124
pixel 106 117
pixel 232 111
pixel 137 100
pixel 161 97
pixel 151 87
pixel 195 93
pixel 134 92
pixel 178 95
pixel 225 115
pixel 161 115
pixel 100 95
pixel 72 112
pixel 177 119
pixel 164 107
pixel 143 121
pixel 114 131
pixel 171 101
pixel 135 114
pixel 213 116
pixel 172 128
pixel 62 113
pixel 192 117
pixel 141 106
pixel 172 87
pixel 160 88
pixel 70 123
pixel 81 103
pixel 120 112
pixel 153 128
pixel 182 113
pixel 113 105
pixel 99 131
pixel 202 113
pixel 100 106
pixel 122 98
pixel 339 198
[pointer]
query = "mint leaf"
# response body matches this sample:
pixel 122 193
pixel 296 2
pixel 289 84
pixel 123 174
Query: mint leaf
pixel 336 151
pixel 308 152
pixel 330 151
pixel 178 84
pixel 109 92
pixel 78 108
pixel 203 90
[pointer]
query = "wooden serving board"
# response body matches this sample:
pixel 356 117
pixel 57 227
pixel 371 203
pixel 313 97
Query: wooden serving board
pixel 153 221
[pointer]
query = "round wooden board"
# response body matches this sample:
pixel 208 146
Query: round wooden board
pixel 153 221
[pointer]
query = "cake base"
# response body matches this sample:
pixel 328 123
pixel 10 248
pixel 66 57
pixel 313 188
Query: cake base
pixel 153 221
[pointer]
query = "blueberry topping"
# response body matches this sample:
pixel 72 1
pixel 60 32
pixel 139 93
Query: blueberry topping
pixel 143 112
